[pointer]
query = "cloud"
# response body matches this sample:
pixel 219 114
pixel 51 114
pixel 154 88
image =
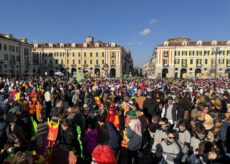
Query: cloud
pixel 153 21
pixel 145 32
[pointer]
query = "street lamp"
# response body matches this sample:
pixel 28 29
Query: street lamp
pixel 67 56
pixel 215 51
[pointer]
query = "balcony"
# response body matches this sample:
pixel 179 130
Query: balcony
pixel 74 65
pixel 198 65
pixel 97 66
pixel 184 65
pixel 113 65
pixel 228 65
pixel 165 55
pixel 165 65
pixel 85 65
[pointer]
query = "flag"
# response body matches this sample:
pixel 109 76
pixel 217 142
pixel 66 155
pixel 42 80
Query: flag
pixel 35 126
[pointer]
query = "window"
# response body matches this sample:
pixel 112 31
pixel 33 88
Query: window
pixel 165 61
pixel 221 52
pixel 198 61
pixel 91 54
pixel 206 53
pixel 91 62
pixel 5 47
pixel 191 61
pixel 5 57
pixel 84 61
pixel 56 61
pixel 220 69
pixel 97 62
pixel 113 54
pixel 103 62
pixel 190 69
pixel 198 53
pixel 112 61
pixel 103 54
pixel 206 61
pixel 228 52
pixel 61 61
pixel 73 54
pixel 50 54
pixel 205 69
pixel 0 46
pixel 51 62
pixel 85 54
pixel 177 53
pixel 165 53
pixel 191 53
pixel 73 62
pixel 177 61
pixel 184 53
pixel 228 61
pixel 45 61
pixel 67 61
pixel 184 61
pixel 221 61
pixel 79 61
pixel 96 54
pixel 79 54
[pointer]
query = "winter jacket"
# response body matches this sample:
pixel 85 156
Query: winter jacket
pixel 174 112
pixel 114 136
pixel 134 135
pixel 67 140
pixel 150 108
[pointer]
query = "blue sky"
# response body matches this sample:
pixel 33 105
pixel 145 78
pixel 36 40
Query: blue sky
pixel 138 25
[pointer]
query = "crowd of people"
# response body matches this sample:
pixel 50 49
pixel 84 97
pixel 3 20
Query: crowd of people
pixel 110 121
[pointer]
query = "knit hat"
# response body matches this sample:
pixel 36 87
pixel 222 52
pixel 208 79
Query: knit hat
pixel 131 113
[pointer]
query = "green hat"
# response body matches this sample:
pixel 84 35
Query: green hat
pixel 131 113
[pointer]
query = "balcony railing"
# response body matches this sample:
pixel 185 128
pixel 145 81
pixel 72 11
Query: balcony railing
pixel 198 65
pixel 165 65
pixel 113 65
pixel 228 65
pixel 85 65
pixel 74 65
pixel 97 65
pixel 184 65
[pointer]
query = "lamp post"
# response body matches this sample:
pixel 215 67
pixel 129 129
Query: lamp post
pixel 67 56
pixel 216 50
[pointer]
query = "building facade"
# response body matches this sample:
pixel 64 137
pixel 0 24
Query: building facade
pixel 95 58
pixel 183 58
pixel 15 56
pixel 149 67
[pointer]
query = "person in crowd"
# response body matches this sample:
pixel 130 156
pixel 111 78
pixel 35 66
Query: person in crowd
pixel 170 111
pixel 184 139
pixel 103 154
pixel 48 102
pixel 200 135
pixel 150 106
pixel 134 135
pixel 168 150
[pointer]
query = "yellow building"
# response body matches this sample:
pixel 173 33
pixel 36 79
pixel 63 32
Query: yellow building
pixel 183 58
pixel 95 58
pixel 15 56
